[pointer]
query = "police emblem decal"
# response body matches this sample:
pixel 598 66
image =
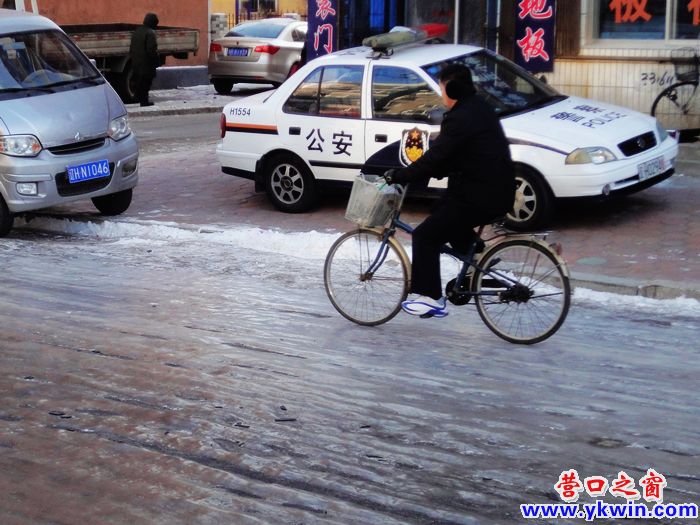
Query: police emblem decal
pixel 414 143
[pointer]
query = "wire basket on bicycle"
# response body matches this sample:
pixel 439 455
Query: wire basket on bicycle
pixel 686 64
pixel 372 201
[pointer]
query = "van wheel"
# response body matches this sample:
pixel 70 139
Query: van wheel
pixel 289 184
pixel 114 203
pixel 223 87
pixel 533 201
pixel 6 218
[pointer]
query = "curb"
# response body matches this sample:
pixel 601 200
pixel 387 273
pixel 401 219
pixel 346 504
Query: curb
pixel 154 111
pixel 654 289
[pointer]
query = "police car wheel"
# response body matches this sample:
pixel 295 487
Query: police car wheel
pixel 289 184
pixel 533 201
pixel 6 218
pixel 114 203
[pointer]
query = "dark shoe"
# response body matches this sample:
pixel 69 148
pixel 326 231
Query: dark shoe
pixel 146 104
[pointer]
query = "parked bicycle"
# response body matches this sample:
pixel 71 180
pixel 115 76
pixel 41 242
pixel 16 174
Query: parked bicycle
pixel 519 283
pixel 678 106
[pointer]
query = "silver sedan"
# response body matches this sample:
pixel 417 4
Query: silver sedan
pixel 262 52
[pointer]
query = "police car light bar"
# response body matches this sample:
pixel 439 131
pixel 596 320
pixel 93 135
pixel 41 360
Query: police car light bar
pixel 401 36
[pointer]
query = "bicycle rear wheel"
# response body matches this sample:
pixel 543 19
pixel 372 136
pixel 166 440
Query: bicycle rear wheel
pixel 366 298
pixel 536 301
pixel 678 107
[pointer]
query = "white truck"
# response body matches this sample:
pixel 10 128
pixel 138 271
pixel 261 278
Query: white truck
pixel 108 45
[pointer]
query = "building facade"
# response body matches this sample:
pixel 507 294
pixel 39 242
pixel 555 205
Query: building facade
pixel 618 51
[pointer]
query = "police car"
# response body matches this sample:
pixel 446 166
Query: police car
pixel 376 107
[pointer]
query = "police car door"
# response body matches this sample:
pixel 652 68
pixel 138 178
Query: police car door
pixel 403 114
pixel 320 121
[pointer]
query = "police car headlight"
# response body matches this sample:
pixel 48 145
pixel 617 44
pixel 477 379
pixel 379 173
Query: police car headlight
pixel 119 128
pixel 595 155
pixel 661 132
pixel 20 145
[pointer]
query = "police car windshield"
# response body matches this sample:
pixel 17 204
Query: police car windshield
pixel 41 59
pixel 258 29
pixel 507 87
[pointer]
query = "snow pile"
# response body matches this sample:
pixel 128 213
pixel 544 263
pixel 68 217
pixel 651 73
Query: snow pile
pixel 679 305
pixel 303 245
pixel 310 245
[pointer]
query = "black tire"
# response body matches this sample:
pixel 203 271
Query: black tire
pixel 531 310
pixel 7 219
pixel 290 185
pixel 223 86
pixel 114 203
pixel 366 299
pixel 124 84
pixel 678 107
pixel 533 201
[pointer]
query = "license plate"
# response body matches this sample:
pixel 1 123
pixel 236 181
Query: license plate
pixel 237 52
pixel 91 170
pixel 651 168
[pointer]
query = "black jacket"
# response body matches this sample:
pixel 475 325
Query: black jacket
pixel 473 152
pixel 144 48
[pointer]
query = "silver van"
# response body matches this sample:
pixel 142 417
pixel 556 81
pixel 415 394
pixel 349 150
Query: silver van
pixel 64 132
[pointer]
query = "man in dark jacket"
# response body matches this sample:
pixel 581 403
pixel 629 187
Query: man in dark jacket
pixel 143 53
pixel 473 152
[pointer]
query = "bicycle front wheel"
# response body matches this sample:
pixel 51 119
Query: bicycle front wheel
pixel 523 295
pixel 365 279
pixel 678 107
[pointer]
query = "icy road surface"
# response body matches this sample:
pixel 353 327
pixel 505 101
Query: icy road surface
pixel 153 375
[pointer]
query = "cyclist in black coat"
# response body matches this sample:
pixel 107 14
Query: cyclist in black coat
pixel 472 151
pixel 143 53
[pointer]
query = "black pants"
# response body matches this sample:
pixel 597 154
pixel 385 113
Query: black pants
pixel 142 85
pixel 449 222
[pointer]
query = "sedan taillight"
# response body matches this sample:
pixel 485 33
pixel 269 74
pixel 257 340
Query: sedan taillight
pixel 215 48
pixel 266 48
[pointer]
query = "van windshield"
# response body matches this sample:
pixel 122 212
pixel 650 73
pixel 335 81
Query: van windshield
pixel 508 88
pixel 42 61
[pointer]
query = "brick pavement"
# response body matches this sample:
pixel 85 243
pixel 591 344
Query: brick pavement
pixel 646 244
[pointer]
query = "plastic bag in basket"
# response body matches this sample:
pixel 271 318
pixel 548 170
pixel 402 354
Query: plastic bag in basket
pixel 372 201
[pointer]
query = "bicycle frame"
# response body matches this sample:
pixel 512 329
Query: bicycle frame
pixel 467 259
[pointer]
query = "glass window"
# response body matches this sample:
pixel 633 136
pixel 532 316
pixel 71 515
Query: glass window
pixel 331 91
pixel 647 19
pixel 506 86
pixel 304 99
pixel 45 59
pixel 258 29
pixel 400 94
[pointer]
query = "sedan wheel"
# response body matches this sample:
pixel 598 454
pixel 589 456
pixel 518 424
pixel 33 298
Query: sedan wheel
pixel 289 184
pixel 532 204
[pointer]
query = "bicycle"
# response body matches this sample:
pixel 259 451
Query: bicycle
pixel 519 283
pixel 677 107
